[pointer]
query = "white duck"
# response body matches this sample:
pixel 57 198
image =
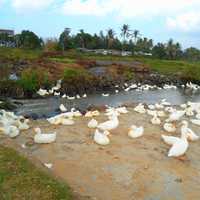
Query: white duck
pixel 155 120
pixel 62 108
pixel 105 95
pixel 43 138
pixel 169 127
pixel 195 121
pixel 109 125
pixel 135 132
pixel 22 125
pixel 101 138
pixel 188 132
pixel 161 113
pixel 170 140
pixel 179 148
pixel 175 116
pixel 140 109
pixel 67 121
pixel 122 110
pixel 42 92
pixel 92 123
pixel 10 130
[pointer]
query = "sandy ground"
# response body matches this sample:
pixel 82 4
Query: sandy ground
pixel 128 169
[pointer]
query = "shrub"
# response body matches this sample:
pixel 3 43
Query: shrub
pixel 29 81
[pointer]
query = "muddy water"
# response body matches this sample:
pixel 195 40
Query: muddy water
pixel 49 106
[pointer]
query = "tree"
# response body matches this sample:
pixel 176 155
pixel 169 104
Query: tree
pixel 159 51
pixel 28 39
pixel 192 54
pixel 135 34
pixel 110 37
pixel 125 33
pixel 51 44
pixel 65 40
pixel 173 51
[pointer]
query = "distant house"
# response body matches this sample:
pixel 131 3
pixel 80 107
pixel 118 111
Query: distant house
pixel 6 31
pixel 9 42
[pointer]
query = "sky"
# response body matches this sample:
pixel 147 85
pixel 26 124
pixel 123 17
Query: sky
pixel 156 19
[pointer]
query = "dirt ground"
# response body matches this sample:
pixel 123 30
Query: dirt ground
pixel 128 169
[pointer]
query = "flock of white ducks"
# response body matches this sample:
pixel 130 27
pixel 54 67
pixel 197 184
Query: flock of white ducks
pixel 12 124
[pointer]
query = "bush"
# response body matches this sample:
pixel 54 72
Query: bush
pixel 29 81
pixel 70 73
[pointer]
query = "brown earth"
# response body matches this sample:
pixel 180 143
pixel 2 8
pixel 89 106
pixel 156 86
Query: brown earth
pixel 128 169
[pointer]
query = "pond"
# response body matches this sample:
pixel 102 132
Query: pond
pixel 50 106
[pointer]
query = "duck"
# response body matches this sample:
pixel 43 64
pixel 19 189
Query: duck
pixel 84 96
pixel 62 108
pixel 189 112
pixel 122 110
pixel 159 106
pixel 165 103
pixel 105 95
pixel 198 115
pixel 151 107
pixel 64 96
pixel 116 91
pixel 10 130
pixel 180 147
pixel 70 98
pixel 151 112
pixel 22 125
pixel 101 138
pixel 175 116
pixel 56 93
pixel 169 140
pixel 42 92
pixel 195 121
pixel 78 96
pixel 67 121
pixel 155 120
pixel 135 132
pixel 161 113
pixel 140 109
pixel 95 113
pixel 187 131
pixel 109 125
pixel 42 138
pixel 92 123
pixel 88 114
pixel 169 127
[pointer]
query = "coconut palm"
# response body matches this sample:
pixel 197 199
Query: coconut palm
pixel 125 33
pixel 110 37
pixel 135 34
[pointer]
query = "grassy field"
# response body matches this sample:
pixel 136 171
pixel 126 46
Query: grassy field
pixel 20 179
pixel 186 69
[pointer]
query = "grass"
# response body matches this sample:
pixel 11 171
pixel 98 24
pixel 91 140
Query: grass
pixel 20 179
pixel 14 54
pixel 63 60
pixel 186 69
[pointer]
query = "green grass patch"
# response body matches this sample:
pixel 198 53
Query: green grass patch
pixel 20 179
pixel 63 60
pixel 70 73
pixel 15 54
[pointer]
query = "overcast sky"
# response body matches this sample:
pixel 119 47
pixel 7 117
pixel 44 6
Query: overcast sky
pixel 157 19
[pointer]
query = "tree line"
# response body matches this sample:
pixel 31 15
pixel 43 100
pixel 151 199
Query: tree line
pixel 129 40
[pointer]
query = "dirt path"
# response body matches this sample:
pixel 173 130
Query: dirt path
pixel 128 169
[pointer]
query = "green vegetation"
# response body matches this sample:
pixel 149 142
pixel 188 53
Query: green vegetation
pixel 70 73
pixel 63 60
pixel 20 179
pixel 15 54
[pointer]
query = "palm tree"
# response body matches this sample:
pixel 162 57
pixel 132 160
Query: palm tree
pixel 110 37
pixel 135 34
pixel 125 33
pixel 81 36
